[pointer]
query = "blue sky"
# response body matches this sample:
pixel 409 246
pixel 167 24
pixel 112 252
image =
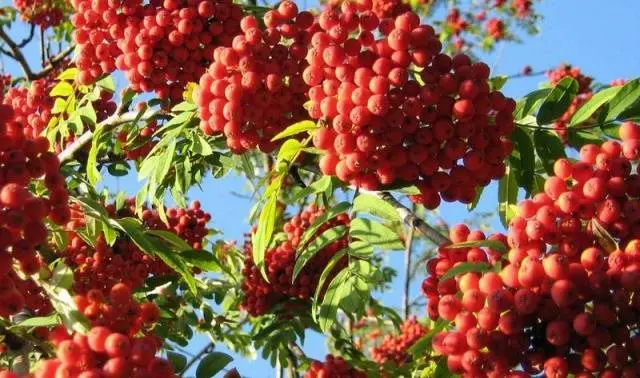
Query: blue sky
pixel 602 38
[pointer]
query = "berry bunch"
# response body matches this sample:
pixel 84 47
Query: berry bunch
pixel 102 267
pixel 118 310
pixel 44 13
pixel 495 28
pixel 394 348
pixel 334 367
pixel 254 89
pixel 564 300
pixel 160 45
pixel 104 352
pixel 32 106
pixel 522 8
pixel 17 294
pixel 261 295
pixel 445 131
pixel 23 159
pixel 567 70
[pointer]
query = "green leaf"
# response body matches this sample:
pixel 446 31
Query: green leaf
pixel 69 74
pixel 295 129
pixel 530 103
pixel 603 237
pixel 318 186
pixel 88 114
pixel 466 267
pixel 315 246
pixel 337 290
pixel 375 234
pixel 184 106
pixel 624 99
pixel 107 83
pixel 588 108
pixel 360 249
pixel 289 150
pixel 59 106
pixel 611 130
pixel 549 148
pixel 476 199
pixel 155 247
pixel 262 237
pixel 524 147
pixel 329 214
pixel 487 243
pixel 118 169
pixel 201 146
pixel 93 174
pixel 165 163
pixel 577 139
pixel 212 364
pixel 203 260
pixel 41 321
pixel 507 196
pixel 328 270
pixel 496 83
pixel 423 345
pixel 62 89
pixel 558 101
pixel 178 361
pixel 172 238
pixel 373 205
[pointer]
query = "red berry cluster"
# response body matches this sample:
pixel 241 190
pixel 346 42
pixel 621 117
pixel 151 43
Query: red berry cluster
pixel 495 28
pixel 567 70
pixel 118 310
pixel 261 295
pixel 104 266
pixel 141 150
pixel 394 348
pixel 24 159
pixel 564 300
pixel 17 294
pixel 254 89
pixel 446 136
pixel 161 45
pixel 522 8
pixel 44 13
pixel 32 106
pixel 105 353
pixel 333 367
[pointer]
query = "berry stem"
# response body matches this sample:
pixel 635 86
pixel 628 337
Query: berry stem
pixel 407 272
pixel 410 219
pixel 207 349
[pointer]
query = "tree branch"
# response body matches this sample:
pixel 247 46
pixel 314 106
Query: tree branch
pixel 29 37
pixel 407 273
pixel 108 124
pixel 207 349
pixel 16 54
pixel 411 220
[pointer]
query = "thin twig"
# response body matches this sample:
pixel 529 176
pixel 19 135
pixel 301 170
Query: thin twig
pixel 29 38
pixel 198 356
pixel 411 220
pixel 532 74
pixel 43 55
pixel 407 273
pixel 16 54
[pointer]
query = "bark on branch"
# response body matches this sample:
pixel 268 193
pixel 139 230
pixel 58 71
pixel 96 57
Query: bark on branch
pixel 108 124
pixel 16 54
